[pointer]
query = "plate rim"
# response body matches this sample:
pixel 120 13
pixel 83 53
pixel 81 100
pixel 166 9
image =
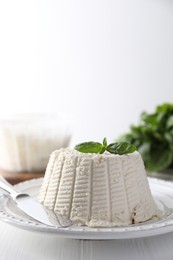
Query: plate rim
pixel 82 232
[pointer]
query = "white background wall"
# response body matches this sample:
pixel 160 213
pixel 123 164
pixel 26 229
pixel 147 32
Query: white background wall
pixel 100 61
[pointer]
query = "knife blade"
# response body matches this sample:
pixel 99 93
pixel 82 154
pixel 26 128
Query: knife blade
pixel 33 208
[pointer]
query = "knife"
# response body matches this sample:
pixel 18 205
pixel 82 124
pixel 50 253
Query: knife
pixel 33 208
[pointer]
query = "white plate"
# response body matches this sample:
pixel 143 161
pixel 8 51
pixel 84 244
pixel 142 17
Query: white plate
pixel 161 190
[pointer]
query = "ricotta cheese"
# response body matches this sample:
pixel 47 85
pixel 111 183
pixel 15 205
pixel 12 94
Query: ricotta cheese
pixel 98 190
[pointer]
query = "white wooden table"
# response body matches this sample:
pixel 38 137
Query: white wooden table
pixel 18 244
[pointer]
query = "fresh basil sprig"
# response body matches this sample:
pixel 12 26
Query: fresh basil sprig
pixel 153 137
pixel 114 148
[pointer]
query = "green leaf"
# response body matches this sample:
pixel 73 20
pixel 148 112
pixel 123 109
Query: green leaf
pixel 102 150
pixel 153 137
pixel 105 143
pixel 144 150
pixel 165 107
pixel 89 147
pixel 169 123
pixel 159 158
pixel 115 148
pixel 149 119
pixel 168 136
pixel 121 148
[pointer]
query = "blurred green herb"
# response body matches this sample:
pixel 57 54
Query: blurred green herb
pixel 115 148
pixel 153 137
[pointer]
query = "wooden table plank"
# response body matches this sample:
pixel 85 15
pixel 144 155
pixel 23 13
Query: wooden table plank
pixel 16 177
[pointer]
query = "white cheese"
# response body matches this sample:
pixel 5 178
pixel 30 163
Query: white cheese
pixel 98 190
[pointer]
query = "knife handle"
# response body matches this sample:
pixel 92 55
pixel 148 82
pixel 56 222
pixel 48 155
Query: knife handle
pixel 5 185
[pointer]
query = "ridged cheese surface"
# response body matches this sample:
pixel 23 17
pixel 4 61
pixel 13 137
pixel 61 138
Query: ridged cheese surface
pixel 98 190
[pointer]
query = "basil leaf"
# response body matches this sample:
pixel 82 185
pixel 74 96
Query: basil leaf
pixel 121 148
pixel 102 150
pixel 105 143
pixel 153 137
pixel 115 148
pixel 149 119
pixel 159 158
pixel 169 123
pixel 89 147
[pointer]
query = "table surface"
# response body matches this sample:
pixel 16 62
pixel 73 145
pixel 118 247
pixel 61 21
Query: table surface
pixel 16 177
pixel 21 244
